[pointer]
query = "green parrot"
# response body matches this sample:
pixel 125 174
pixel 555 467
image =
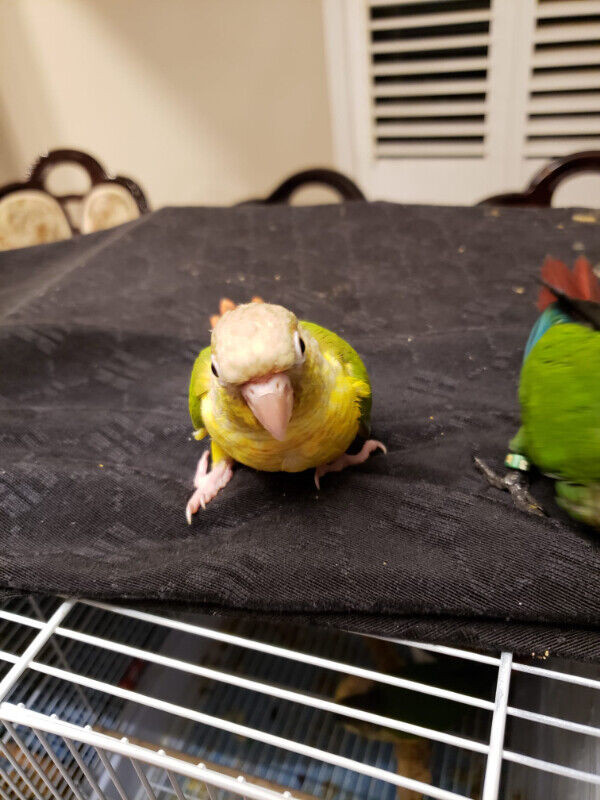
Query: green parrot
pixel 276 394
pixel 559 395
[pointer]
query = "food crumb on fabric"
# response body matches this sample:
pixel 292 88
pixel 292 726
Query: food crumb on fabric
pixel 560 226
pixel 462 248
pixel 589 218
pixel 101 466
pixel 578 246
pixel 518 289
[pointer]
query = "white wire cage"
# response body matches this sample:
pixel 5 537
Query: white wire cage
pixel 100 701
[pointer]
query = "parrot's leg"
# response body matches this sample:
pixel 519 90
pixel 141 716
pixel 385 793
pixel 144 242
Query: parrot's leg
pixel 209 483
pixel 515 483
pixel 348 460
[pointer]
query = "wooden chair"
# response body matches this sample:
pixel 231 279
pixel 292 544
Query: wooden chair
pixel 546 181
pixel 344 186
pixel 31 214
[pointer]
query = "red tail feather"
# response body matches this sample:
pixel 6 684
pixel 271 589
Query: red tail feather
pixel 580 284
pixel 585 279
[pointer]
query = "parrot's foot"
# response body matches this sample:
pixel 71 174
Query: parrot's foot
pixel 348 460
pixel 515 483
pixel 208 484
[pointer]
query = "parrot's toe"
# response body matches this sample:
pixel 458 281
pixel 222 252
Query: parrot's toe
pixel 201 469
pixel 347 460
pixel 208 484
pixel 495 480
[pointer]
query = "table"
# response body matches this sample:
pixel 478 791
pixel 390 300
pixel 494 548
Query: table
pixel 97 340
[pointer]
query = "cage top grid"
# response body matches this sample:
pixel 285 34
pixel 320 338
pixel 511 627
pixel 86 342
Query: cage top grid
pixel 21 722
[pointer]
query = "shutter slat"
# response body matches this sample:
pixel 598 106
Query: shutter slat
pixel 550 148
pixel 568 8
pixel 557 82
pixel 442 88
pixel 564 58
pixel 380 3
pixel 429 20
pixel 563 125
pixel 431 129
pixel 437 43
pixel 568 32
pixel 430 150
pixel 548 104
pixel 428 67
pixel 449 107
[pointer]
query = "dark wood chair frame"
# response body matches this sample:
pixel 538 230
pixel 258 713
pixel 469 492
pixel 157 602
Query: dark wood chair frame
pixel 319 176
pixel 543 185
pixel 96 172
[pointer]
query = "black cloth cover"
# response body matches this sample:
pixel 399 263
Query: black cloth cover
pixel 97 340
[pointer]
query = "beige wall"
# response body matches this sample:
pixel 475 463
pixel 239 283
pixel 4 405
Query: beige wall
pixel 203 101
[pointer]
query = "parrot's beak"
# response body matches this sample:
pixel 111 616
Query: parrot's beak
pixel 271 400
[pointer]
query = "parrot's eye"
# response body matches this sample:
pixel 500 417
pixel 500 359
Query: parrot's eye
pixel 213 368
pixel 300 347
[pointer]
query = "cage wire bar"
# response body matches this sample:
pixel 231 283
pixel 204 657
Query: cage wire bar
pixel 29 779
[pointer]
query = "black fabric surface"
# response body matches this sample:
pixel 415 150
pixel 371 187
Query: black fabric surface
pixel 97 340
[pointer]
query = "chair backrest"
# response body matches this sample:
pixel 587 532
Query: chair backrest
pixel 546 181
pixel 318 176
pixel 109 200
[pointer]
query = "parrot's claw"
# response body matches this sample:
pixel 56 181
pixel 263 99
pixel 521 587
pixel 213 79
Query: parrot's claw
pixel 347 460
pixel 207 484
pixel 513 482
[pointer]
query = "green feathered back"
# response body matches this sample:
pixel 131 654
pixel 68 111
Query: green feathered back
pixel 560 403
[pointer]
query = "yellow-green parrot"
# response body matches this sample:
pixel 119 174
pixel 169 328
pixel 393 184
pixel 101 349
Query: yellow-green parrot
pixel 276 394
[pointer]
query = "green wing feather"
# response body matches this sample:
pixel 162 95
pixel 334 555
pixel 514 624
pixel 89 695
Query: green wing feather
pixel 353 365
pixel 199 386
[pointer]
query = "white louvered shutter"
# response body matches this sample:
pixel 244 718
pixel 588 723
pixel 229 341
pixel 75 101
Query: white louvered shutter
pixel 428 80
pixel 563 99
pixel 455 100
